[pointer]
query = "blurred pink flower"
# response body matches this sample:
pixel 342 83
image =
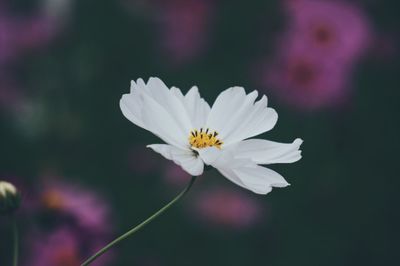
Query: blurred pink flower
pixel 316 55
pixel 57 248
pixel 87 209
pixel 329 28
pixel 301 79
pixel 19 35
pixel 63 247
pixel 72 223
pixel 227 208
pixel 184 26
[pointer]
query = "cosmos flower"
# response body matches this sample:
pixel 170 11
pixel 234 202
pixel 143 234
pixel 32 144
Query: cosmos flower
pixel 227 208
pixel 184 27
pixel 57 248
pixel 316 55
pixel 197 135
pixel 89 211
pixel 70 224
pixel 334 28
pixel 299 77
pixel 63 246
pixel 20 35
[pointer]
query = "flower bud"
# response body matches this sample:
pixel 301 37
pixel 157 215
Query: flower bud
pixel 9 198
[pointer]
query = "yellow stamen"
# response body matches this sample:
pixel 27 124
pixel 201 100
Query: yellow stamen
pixel 202 139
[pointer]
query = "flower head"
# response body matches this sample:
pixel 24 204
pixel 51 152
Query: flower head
pixel 63 246
pixel 301 78
pixel 336 28
pixel 56 248
pixel 70 223
pixel 197 134
pixel 184 28
pixel 20 34
pixel 315 56
pixel 9 198
pixel 87 209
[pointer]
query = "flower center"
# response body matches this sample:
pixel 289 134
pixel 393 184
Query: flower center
pixel 323 34
pixel 52 200
pixel 204 138
pixel 302 73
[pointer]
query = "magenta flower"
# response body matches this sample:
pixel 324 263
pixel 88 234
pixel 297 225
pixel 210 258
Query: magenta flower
pixel 300 78
pixel 329 28
pixel 19 35
pixel 227 208
pixel 89 211
pixel 71 223
pixel 184 26
pixel 57 248
pixel 62 247
pixel 316 55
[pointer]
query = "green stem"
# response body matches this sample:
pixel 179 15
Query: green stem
pixel 16 240
pixel 140 226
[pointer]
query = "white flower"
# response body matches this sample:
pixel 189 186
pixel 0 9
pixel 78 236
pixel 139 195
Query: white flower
pixel 197 134
pixel 7 188
pixel 9 197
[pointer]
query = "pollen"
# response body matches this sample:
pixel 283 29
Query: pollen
pixel 204 138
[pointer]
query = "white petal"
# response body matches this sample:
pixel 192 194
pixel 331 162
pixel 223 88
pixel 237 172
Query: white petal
pixel 236 116
pixel 186 159
pixel 256 178
pixel 268 152
pixel 154 107
pixel 243 171
pixel 172 104
pixel 209 155
pixel 223 161
pixel 223 108
pixel 259 120
pixel 131 108
pixel 162 124
pixel 260 179
pixel 196 107
pixel 232 176
pixel 253 177
pixel 131 104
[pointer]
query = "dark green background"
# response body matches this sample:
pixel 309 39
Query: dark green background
pixel 342 207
